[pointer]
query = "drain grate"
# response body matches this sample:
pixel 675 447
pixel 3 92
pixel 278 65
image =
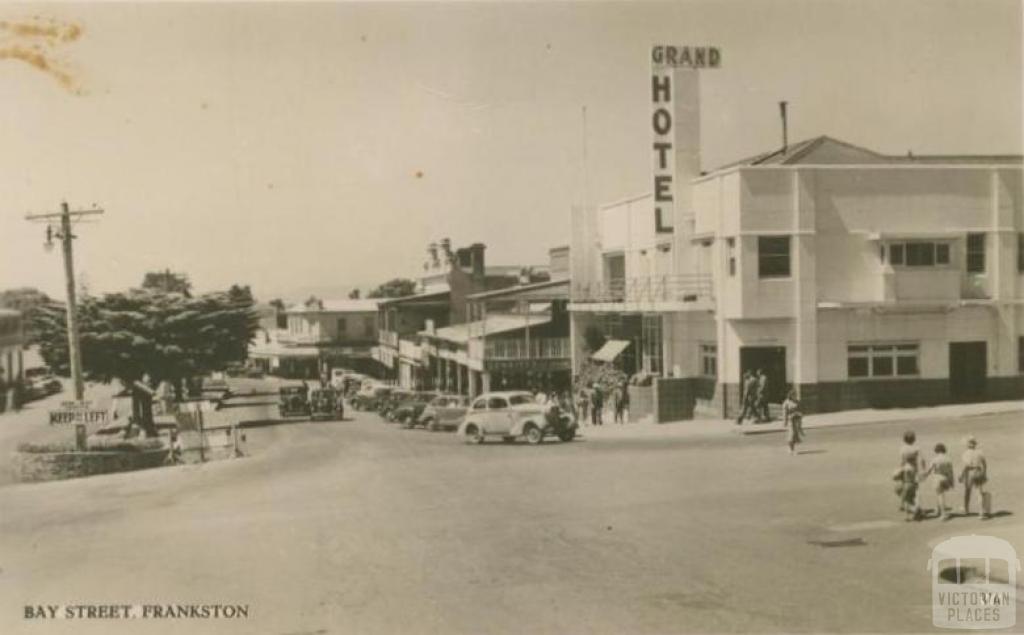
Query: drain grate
pixel 849 542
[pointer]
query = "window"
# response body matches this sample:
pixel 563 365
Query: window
pixel 882 360
pixel 651 344
pixel 480 404
pixel 497 403
pixel 773 256
pixel 1020 354
pixel 1020 253
pixel 918 253
pixel 975 253
pixel 519 400
pixel 368 325
pixel 709 360
pixel 731 242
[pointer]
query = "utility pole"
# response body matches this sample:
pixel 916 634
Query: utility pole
pixel 64 234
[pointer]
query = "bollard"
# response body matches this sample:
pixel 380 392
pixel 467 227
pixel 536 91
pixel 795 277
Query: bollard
pixel 80 437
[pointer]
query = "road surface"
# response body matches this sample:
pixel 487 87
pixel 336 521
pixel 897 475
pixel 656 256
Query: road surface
pixel 362 527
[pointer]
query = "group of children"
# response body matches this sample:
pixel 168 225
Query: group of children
pixel 914 470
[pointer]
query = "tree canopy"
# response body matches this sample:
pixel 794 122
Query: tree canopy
pixel 394 288
pixel 151 334
pixel 168 281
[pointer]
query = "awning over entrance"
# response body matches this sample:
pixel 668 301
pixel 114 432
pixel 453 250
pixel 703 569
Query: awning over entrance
pixel 610 350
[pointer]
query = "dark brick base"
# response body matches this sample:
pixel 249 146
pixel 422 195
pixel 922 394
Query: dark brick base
pixel 684 398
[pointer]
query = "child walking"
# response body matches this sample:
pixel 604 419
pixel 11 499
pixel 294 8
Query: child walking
pixel 974 475
pixel 941 468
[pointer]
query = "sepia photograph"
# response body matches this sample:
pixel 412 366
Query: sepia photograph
pixel 511 317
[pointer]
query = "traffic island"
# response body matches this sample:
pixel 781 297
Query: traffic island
pixel 58 461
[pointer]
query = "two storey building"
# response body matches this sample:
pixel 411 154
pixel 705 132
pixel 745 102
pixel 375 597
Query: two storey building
pixel 860 279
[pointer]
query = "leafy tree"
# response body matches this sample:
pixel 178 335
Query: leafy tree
pixel 27 300
pixel 394 288
pixel 353 294
pixel 153 336
pixel 168 282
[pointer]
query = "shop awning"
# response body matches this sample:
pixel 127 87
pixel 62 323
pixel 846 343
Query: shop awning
pixel 610 350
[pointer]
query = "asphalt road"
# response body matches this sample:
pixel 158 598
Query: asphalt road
pixel 362 527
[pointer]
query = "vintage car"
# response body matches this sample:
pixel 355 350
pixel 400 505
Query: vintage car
pixel 370 395
pixel 326 404
pixel 514 414
pixel 292 401
pixel 41 382
pixel 388 404
pixel 445 412
pixel 408 411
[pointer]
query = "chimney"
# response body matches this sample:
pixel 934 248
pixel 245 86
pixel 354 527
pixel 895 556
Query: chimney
pixel 476 258
pixel 785 131
pixel 446 247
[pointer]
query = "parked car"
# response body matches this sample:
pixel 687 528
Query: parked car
pixel 514 414
pixel 293 401
pixel 325 404
pixel 338 376
pixel 445 412
pixel 408 412
pixel 370 396
pixel 391 402
pixel 41 382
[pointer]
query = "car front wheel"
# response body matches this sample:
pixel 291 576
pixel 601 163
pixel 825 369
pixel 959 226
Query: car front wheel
pixel 533 434
pixel 474 435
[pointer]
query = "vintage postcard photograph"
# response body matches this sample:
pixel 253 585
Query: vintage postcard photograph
pixel 509 317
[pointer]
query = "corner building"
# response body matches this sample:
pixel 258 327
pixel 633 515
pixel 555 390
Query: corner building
pixel 862 280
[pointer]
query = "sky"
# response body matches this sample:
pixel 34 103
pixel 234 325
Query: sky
pixel 297 147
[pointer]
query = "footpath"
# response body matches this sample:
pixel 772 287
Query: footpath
pixel 718 427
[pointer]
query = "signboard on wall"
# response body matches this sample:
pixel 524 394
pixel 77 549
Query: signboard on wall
pixel 675 123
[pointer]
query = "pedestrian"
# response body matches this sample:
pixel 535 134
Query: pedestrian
pixel 941 469
pixel 761 390
pixel 907 476
pixel 583 405
pixel 748 398
pixel 974 475
pixel 625 400
pixel 793 421
pixel 596 405
pixel 619 404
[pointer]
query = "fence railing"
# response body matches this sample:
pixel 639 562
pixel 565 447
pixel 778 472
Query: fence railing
pixel 539 348
pixel 667 288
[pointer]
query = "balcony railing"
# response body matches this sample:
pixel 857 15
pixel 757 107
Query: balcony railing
pixel 539 348
pixel 667 288
pixel 388 338
pixel 299 338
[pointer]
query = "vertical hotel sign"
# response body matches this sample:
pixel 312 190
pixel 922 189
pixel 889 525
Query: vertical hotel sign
pixel 676 143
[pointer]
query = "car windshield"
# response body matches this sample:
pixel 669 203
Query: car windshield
pixel 518 400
